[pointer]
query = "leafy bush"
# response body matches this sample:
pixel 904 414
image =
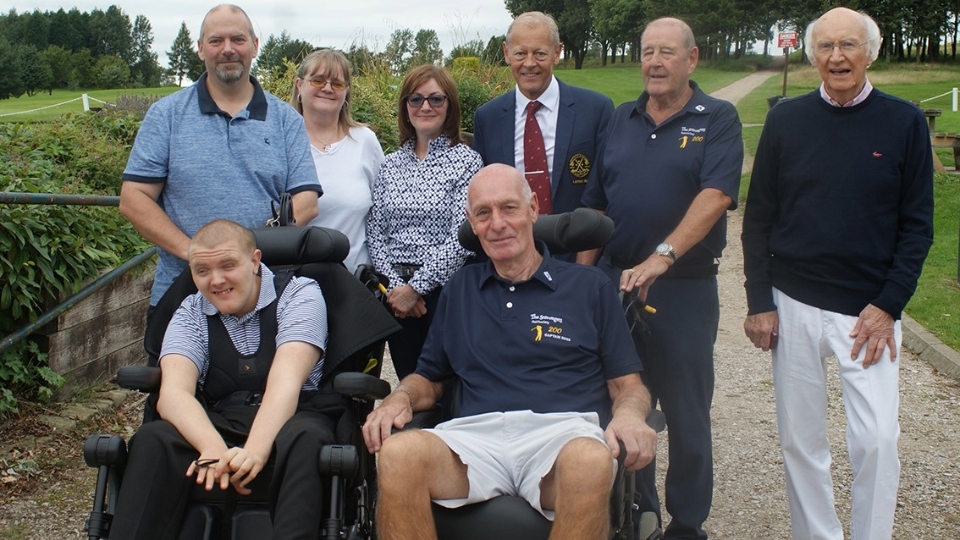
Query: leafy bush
pixel 48 252
pixel 477 84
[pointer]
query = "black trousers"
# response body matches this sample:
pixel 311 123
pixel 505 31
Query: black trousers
pixel 155 491
pixel 678 370
pixel 405 345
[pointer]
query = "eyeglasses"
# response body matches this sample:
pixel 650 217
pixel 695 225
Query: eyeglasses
pixel 435 100
pixel 320 82
pixel 846 46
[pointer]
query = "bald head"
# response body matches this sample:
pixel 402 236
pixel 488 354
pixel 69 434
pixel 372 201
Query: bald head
pixel 502 178
pixel 237 10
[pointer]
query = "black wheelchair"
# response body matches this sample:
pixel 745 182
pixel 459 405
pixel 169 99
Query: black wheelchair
pixel 358 328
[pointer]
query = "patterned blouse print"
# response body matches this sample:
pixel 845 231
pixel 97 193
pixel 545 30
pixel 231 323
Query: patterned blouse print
pixel 417 208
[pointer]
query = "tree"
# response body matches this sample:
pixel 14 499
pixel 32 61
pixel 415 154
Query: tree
pixel 276 50
pixel 10 85
pixel 426 48
pixel 35 73
pixel 473 48
pixel 36 28
pixel 144 70
pixel 111 72
pixel 82 74
pixel 111 32
pixel 61 63
pixel 180 53
pixel 399 50
pixel 493 52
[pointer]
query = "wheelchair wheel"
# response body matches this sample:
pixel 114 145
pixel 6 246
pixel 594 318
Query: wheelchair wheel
pixel 649 528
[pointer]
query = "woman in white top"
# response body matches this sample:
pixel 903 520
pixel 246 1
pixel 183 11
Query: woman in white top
pixel 347 154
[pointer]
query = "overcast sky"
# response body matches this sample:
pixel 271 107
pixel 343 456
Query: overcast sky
pixel 337 23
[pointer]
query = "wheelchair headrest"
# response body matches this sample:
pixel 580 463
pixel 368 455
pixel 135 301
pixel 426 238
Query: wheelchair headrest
pixel 570 232
pixel 300 245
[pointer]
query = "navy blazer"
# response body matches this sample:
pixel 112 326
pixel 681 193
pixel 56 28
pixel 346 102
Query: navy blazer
pixel 581 125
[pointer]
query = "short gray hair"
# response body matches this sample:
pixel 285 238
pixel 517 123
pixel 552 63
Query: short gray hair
pixel 686 33
pixel 532 19
pixel 870 27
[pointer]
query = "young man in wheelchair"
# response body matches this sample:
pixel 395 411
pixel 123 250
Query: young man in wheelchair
pixel 541 350
pixel 219 361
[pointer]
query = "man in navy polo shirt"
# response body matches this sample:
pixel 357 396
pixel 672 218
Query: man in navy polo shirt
pixel 222 148
pixel 669 171
pixel 541 348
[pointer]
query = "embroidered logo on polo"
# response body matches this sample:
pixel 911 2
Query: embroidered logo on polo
pixel 579 167
pixel 691 135
pixel 547 327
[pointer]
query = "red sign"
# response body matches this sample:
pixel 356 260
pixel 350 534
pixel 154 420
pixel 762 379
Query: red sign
pixel 787 39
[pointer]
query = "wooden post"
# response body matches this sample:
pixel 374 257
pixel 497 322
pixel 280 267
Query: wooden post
pixel 786 63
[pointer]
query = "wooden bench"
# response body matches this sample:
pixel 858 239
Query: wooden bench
pixel 942 140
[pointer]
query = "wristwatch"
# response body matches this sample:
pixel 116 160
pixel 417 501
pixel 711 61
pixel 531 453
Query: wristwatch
pixel 666 250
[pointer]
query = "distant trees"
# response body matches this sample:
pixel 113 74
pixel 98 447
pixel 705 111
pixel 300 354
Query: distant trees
pixel 44 50
pixel 919 30
pixel 277 49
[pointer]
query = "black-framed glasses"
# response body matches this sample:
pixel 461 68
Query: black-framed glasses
pixel 320 82
pixel 846 46
pixel 435 100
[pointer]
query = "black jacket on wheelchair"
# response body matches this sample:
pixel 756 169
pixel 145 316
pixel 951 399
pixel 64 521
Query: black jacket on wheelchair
pixel 358 327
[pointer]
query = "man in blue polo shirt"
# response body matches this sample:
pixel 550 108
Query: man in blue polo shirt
pixel 222 148
pixel 669 171
pixel 541 348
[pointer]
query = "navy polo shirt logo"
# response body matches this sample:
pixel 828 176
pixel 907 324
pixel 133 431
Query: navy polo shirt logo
pixel 691 135
pixel 547 327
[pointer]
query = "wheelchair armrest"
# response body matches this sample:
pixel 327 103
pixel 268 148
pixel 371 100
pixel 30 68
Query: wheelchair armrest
pixel 425 419
pixel 145 379
pixel 361 386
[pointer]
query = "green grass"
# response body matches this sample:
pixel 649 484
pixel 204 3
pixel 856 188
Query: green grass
pixel 936 304
pixel 38 101
pixel 622 83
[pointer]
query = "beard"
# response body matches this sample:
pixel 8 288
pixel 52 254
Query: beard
pixel 229 74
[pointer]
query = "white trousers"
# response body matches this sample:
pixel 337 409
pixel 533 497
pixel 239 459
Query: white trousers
pixel 871 399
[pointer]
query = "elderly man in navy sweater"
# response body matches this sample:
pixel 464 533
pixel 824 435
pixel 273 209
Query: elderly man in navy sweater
pixel 838 222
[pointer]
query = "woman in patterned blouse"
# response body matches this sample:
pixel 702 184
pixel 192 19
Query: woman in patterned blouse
pixel 418 204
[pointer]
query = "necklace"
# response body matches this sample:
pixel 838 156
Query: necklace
pixel 326 147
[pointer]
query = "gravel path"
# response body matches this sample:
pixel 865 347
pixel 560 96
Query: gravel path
pixel 749 496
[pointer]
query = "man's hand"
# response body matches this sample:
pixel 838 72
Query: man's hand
pixel 406 302
pixel 762 328
pixel 395 412
pixel 643 275
pixel 238 467
pixel 874 329
pixel 639 439
pixel 205 469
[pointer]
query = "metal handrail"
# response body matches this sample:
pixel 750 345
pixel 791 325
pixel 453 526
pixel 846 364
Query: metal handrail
pixel 12 197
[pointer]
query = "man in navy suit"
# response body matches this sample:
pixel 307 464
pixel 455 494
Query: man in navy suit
pixel 572 120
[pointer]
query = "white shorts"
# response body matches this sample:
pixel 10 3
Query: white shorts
pixel 510 453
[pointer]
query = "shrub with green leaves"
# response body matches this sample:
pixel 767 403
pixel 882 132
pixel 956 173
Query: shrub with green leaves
pixel 49 252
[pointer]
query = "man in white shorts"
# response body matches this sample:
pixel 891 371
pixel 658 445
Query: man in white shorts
pixel 549 384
